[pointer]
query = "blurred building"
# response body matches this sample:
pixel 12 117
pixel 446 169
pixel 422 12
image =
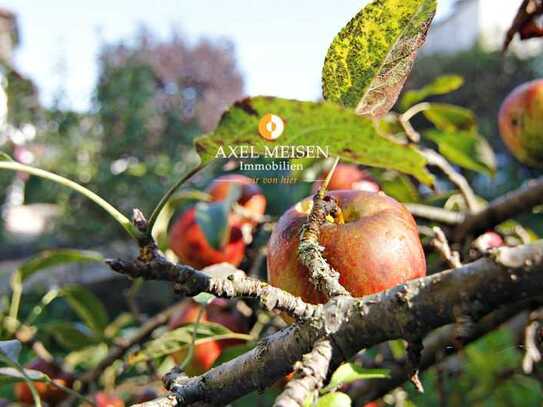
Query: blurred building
pixel 482 22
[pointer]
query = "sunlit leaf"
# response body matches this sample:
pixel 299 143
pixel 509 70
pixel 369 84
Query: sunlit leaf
pixel 464 148
pixel 337 131
pixel 349 372
pixel 336 399
pixel 448 117
pixel 440 86
pixel 368 61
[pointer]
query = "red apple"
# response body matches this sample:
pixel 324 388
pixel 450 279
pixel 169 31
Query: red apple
pixel 188 242
pixel 220 311
pixel 349 176
pixel 487 241
pixel 48 393
pixel 521 123
pixel 376 248
pixel 103 399
pixel 251 197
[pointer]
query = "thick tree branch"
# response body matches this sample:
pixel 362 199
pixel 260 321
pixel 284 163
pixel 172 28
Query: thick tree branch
pixel 501 209
pixel 309 375
pixel 440 344
pixel 407 311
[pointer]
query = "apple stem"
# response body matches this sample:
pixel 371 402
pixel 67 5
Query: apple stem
pixel 324 186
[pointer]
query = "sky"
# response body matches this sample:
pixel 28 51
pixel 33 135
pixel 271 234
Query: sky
pixel 280 45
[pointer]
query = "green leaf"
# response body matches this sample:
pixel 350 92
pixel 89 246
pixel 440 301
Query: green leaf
pixel 399 187
pixel 52 258
pixel 5 156
pixel 88 357
pixel 9 375
pixel 464 148
pixel 440 86
pixel 336 399
pixel 450 117
pixel 336 130
pixel 69 336
pixel 369 59
pixel 180 338
pixel 88 307
pixel 11 349
pixel 349 372
pixel 212 217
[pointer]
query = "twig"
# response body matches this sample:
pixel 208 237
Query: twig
pixel 309 375
pixel 532 353
pixel 501 209
pixel 405 120
pixel 456 178
pixel 191 282
pixel 440 243
pixel 435 214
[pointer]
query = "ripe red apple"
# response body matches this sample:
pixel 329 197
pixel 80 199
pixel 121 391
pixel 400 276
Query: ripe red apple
pixel 349 176
pixel 103 399
pixel 487 241
pixel 251 197
pixel 48 393
pixel 188 242
pixel 521 123
pixel 220 311
pixel 376 248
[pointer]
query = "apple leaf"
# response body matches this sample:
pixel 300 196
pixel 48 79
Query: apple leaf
pixel 458 139
pixel 325 125
pixel 464 148
pixel 69 335
pixel 5 156
pixel 440 86
pixel 10 349
pixel 87 306
pixel 349 372
pixel 448 117
pixel 399 187
pixel 52 258
pixel 369 59
pixel 181 338
pixel 9 375
pixel 336 399
pixel 212 217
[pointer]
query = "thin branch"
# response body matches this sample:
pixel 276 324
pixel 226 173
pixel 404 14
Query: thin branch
pixel 532 353
pixel 435 214
pixel 501 209
pixel 440 243
pixel 309 375
pixel 323 276
pixel 455 177
pixel 191 282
